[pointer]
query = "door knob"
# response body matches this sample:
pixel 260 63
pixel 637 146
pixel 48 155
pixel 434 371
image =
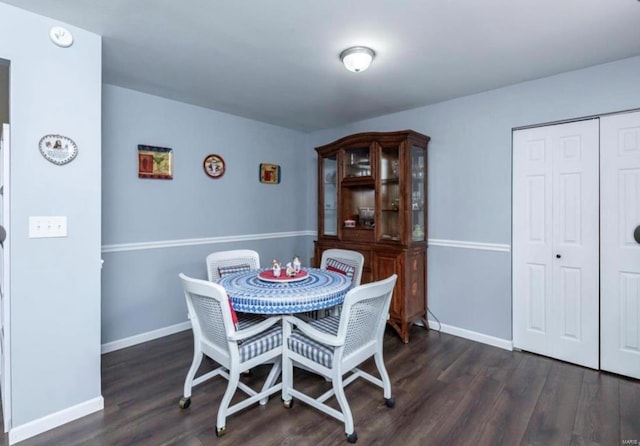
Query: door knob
pixel 636 234
pixel 558 256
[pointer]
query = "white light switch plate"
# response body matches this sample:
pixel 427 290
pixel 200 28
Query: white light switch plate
pixel 41 227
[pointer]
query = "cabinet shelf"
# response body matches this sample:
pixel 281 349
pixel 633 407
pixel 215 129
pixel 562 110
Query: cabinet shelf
pixel 358 182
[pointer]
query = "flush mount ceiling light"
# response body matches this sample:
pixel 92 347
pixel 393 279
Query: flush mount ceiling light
pixel 61 36
pixel 357 58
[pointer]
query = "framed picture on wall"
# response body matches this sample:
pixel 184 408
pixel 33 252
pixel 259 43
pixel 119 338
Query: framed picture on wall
pixel 269 173
pixel 155 162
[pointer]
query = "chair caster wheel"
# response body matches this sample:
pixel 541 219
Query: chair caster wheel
pixel 185 402
pixel 220 431
pixel 352 437
pixel 390 402
pixel 288 404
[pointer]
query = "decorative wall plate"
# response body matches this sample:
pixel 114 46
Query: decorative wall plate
pixel 213 166
pixel 58 149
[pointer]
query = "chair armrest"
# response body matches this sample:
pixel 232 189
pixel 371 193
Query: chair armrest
pixel 314 333
pixel 254 329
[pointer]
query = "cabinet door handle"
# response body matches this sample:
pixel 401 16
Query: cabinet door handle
pixel 558 256
pixel 636 234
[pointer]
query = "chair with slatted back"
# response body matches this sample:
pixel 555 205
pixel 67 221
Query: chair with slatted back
pixel 343 261
pixel 235 350
pixel 336 345
pixel 226 262
pixel 221 263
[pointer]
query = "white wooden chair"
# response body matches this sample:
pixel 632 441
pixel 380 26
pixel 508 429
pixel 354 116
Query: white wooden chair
pixel 336 345
pixel 236 351
pixel 344 261
pixel 226 262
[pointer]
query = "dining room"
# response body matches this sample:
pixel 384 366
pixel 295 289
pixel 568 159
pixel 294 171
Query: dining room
pixel 228 181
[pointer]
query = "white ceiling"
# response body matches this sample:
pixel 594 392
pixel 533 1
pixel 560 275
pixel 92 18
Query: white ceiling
pixel 277 61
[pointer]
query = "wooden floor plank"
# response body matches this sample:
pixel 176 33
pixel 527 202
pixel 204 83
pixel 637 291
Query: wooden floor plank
pixel 554 416
pixel 629 412
pixel 510 415
pixel 597 417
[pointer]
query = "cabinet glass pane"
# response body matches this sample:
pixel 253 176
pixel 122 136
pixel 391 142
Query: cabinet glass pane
pixel 357 163
pixel 418 176
pixel 390 194
pixel 330 198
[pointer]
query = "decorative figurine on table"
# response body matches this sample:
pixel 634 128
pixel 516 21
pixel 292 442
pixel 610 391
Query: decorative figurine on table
pixel 296 264
pixel 291 271
pixel 276 268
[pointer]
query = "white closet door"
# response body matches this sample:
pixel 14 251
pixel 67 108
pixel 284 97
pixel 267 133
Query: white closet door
pixel 620 253
pixel 555 241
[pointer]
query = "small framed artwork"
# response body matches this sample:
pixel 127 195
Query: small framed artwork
pixel 155 162
pixel 213 166
pixel 269 173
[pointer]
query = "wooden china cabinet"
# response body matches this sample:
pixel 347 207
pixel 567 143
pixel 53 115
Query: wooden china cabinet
pixel 372 198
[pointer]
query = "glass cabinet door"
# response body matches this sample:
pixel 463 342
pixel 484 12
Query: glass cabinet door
pixel 418 188
pixel 357 162
pixel 330 195
pixel 390 202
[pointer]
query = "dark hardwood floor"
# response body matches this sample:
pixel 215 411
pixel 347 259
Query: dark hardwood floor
pixel 448 391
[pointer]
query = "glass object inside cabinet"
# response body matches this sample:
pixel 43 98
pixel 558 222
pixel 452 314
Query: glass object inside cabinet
pixel 390 194
pixel 418 211
pixel 357 163
pixel 330 195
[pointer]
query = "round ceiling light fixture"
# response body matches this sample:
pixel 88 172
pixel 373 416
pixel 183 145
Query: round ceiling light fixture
pixel 357 58
pixel 61 36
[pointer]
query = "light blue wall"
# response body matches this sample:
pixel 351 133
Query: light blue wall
pixel 55 283
pixel 4 91
pixel 470 179
pixel 140 291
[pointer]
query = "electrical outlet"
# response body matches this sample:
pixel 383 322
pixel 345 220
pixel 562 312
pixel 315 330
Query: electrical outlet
pixel 42 227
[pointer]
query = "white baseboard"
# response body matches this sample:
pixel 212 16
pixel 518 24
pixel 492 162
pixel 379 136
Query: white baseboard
pixel 144 337
pixel 472 335
pixel 36 427
pixel 166 331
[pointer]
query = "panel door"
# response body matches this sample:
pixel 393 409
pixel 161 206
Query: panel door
pixel 620 252
pixel 555 241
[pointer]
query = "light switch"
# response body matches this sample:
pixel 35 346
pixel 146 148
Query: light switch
pixel 41 227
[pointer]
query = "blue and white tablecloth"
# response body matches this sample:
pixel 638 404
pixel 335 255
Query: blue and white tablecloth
pixel 321 289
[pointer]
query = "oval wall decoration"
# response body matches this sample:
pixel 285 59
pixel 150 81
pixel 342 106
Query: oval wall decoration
pixel 58 149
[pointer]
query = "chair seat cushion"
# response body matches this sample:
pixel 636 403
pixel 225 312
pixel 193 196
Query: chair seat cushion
pixel 311 349
pixel 261 343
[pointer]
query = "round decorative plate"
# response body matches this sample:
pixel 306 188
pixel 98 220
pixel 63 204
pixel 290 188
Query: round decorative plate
pixel 268 276
pixel 213 166
pixel 58 149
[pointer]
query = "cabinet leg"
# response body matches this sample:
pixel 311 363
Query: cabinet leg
pixel 402 329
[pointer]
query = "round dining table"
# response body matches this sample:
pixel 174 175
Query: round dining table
pixel 258 291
